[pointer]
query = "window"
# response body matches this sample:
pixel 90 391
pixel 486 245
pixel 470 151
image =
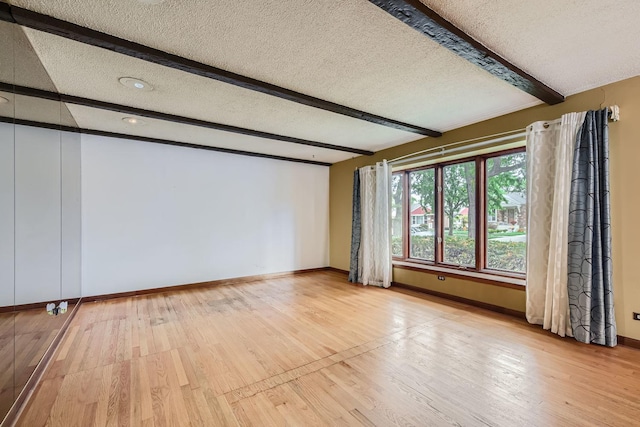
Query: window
pixel 422 237
pixel 506 198
pixel 459 206
pixel 396 215
pixel 468 214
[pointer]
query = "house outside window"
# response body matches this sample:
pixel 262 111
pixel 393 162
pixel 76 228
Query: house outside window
pixel 469 213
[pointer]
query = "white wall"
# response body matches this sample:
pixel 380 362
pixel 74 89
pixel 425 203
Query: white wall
pixel 155 216
pixel 6 214
pixel 39 215
pixel 71 215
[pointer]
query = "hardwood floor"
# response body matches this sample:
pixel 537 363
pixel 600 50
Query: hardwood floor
pixel 24 337
pixel 315 350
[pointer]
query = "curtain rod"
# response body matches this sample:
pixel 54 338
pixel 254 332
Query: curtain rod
pixel 613 113
pixel 444 148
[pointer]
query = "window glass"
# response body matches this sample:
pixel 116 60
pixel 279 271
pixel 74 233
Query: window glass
pixel 507 212
pixel 459 206
pixel 438 222
pixel 396 215
pixel 423 223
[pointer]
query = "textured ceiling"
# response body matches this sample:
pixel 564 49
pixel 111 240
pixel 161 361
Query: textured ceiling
pixel 571 45
pixel 22 107
pixel 7 66
pixel 92 118
pixel 348 52
pixel 96 71
pixel 7 108
pixel 19 63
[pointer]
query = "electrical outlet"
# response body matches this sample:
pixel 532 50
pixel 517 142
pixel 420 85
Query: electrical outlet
pixel 636 316
pixel 440 277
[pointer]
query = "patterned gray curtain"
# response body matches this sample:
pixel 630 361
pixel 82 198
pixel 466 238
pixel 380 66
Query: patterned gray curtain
pixel 355 229
pixel 589 266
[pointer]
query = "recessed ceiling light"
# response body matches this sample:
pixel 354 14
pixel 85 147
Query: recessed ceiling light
pixel 133 120
pixel 137 84
pixel 4 100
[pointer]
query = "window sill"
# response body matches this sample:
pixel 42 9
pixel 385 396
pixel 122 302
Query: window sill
pixel 475 276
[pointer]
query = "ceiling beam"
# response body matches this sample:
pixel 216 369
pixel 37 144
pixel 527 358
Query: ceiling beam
pixel 426 21
pixel 155 140
pixel 5 13
pixel 118 108
pixel 92 37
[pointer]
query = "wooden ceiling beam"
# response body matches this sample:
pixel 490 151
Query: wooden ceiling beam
pixel 5 13
pixel 85 131
pixel 118 108
pixel 426 21
pixel 92 37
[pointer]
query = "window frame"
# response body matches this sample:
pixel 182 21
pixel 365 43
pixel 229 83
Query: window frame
pixel 438 265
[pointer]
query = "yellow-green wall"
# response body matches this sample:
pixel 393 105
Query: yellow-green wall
pixel 625 199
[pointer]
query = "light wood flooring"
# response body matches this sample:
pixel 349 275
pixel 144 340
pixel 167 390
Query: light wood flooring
pixel 313 349
pixel 24 337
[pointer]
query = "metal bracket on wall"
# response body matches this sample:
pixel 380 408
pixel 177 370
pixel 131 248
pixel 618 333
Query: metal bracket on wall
pixel 54 309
